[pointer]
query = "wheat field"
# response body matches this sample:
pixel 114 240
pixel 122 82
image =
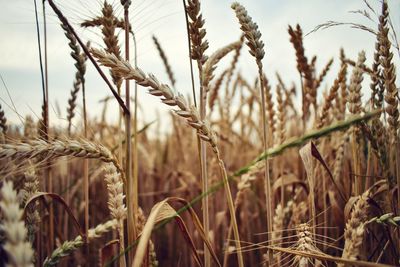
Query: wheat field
pixel 237 169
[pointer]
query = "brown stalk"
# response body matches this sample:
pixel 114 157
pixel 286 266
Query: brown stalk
pixel 269 104
pixel 79 83
pixel 47 173
pixel 132 182
pixel 198 47
pixel 85 169
pixel 256 49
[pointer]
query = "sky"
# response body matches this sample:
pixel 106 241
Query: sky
pixel 19 61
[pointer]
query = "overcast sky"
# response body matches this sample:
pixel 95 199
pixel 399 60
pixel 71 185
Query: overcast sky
pixel 19 64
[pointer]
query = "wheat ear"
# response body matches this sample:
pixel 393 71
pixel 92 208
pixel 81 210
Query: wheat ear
pixel 199 45
pixel 31 187
pixel 58 148
pixel 281 218
pixel 3 121
pixel 108 23
pixel 343 88
pixel 333 94
pixel 164 59
pixel 354 101
pixel 296 38
pixel 256 49
pixel 116 200
pixel 213 60
pixel 281 133
pixel 215 90
pixel 391 94
pixel 20 251
pixel 305 243
pixel 196 31
pixel 163 91
pixel 355 228
pixel 324 72
pixel 69 246
pixel 191 115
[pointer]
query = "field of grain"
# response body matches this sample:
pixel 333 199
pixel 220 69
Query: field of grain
pixel 240 170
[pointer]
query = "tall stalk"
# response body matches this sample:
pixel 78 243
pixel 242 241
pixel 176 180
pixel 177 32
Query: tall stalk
pixel 39 237
pixel 85 169
pixel 256 49
pixel 132 182
pixel 47 174
pixel 197 46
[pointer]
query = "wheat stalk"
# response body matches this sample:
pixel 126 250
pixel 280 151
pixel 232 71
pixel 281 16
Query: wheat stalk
pixel 197 33
pixel 256 49
pixel 164 58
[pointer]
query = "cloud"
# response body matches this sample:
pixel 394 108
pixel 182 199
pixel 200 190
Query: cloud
pixel 19 55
